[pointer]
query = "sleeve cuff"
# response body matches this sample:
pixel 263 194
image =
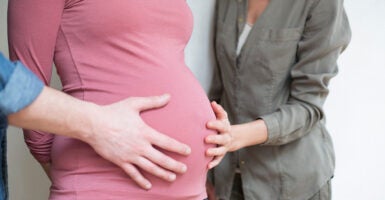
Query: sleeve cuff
pixel 273 129
pixel 7 68
pixel 22 89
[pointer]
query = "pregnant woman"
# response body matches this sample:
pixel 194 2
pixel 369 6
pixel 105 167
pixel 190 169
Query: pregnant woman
pixel 105 51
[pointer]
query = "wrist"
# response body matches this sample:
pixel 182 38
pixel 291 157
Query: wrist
pixel 87 121
pixel 261 130
pixel 248 134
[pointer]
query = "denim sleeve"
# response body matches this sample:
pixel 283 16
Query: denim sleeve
pixel 19 87
pixel 6 69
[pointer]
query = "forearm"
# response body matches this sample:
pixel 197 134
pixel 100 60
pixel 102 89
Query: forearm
pixel 58 113
pixel 114 131
pixel 248 134
pixel 291 121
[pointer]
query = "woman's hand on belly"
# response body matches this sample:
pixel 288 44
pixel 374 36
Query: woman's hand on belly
pixel 223 140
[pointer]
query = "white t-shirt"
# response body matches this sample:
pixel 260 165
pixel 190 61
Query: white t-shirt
pixel 242 38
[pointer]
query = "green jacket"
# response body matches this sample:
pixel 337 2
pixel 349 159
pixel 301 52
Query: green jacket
pixel 281 76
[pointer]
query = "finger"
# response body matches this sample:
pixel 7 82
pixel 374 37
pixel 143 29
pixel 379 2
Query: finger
pixel 136 176
pixel 218 125
pixel 154 169
pixel 224 139
pixel 215 162
pixel 167 143
pixel 146 103
pixel 218 151
pixel 166 162
pixel 220 113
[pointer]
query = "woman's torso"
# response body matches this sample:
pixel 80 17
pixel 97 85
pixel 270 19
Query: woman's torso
pixel 109 50
pixel 259 83
pixel 261 71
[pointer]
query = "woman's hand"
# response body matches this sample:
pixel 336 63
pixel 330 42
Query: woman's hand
pixel 223 140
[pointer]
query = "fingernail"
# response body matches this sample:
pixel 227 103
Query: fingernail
pixel 184 168
pixel 166 95
pixel 187 150
pixel 148 186
pixel 172 177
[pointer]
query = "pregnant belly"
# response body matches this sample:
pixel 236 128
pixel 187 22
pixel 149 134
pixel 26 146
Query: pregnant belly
pixel 183 118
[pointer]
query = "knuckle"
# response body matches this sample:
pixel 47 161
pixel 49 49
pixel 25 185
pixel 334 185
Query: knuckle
pixel 211 152
pixel 216 151
pixel 165 162
pixel 216 138
pixel 159 172
pixel 138 161
pixel 227 139
pixel 141 151
pixel 155 170
pixel 227 129
pixel 225 114
pixel 216 161
pixel 134 174
pixel 126 159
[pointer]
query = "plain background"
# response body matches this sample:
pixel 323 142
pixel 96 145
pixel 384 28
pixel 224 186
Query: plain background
pixel 355 108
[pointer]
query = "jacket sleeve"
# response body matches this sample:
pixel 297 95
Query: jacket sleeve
pixel 32 31
pixel 325 36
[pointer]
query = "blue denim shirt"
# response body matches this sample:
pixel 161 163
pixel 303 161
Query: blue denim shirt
pixel 18 88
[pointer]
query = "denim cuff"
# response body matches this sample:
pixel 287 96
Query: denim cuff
pixel 22 89
pixel 7 68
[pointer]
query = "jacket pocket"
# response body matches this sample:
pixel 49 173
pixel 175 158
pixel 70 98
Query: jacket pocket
pixel 275 49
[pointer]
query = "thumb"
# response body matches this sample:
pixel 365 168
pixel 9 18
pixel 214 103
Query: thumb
pixel 146 103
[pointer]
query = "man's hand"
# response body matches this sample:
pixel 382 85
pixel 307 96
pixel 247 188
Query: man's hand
pixel 116 132
pixel 122 137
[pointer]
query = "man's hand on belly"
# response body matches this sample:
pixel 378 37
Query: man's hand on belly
pixel 122 137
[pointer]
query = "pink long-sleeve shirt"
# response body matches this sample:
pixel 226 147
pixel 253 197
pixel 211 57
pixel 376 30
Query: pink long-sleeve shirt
pixel 106 51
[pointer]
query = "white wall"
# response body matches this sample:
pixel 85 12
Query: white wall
pixel 355 107
pixel 199 54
